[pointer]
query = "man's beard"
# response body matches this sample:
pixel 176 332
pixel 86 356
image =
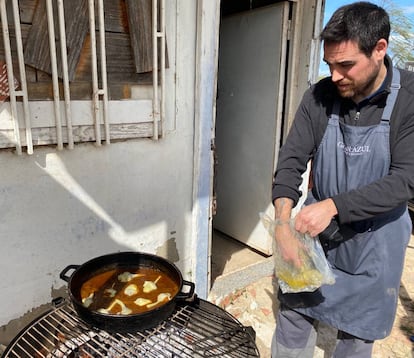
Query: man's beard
pixel 346 93
pixel 352 91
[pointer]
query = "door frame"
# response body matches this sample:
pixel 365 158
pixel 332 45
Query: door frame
pixel 208 23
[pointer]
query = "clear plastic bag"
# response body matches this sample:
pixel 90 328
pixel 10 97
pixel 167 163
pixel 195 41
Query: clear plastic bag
pixel 314 271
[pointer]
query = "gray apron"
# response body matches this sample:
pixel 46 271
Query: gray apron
pixel 368 263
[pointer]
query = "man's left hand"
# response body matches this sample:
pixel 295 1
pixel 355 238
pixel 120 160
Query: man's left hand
pixel 315 218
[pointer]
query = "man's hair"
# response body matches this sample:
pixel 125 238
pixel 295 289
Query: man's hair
pixel 362 22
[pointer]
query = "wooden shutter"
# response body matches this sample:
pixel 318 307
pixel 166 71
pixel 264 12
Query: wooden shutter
pixel 37 52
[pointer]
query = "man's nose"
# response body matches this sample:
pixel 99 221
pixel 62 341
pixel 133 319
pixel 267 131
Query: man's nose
pixel 336 75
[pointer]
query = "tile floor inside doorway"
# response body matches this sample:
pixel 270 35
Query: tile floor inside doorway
pixel 229 255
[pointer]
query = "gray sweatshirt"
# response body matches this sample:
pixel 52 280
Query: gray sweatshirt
pixel 307 131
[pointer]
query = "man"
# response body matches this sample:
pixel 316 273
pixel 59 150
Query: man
pixel 357 128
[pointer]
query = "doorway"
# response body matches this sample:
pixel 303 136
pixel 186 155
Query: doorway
pixel 252 65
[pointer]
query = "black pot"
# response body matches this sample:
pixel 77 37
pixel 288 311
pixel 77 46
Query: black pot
pixel 131 322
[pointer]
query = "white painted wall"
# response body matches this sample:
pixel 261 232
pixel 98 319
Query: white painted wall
pixel 66 207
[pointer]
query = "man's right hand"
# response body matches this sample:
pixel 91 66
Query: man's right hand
pixel 286 240
pixel 288 243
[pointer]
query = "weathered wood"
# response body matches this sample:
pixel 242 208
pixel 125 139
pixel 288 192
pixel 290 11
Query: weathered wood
pixel 118 57
pixel 119 61
pixel 47 135
pixel 140 27
pixel 25 29
pixel 37 53
pixel 83 90
pixel 115 16
pixel 26 10
pixel 121 69
pixel 121 112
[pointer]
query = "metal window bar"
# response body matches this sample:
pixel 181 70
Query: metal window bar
pixel 159 49
pixel 103 71
pixel 95 94
pixel 65 74
pixel 158 102
pixel 23 83
pixel 96 91
pixel 163 52
pixel 10 76
pixel 55 79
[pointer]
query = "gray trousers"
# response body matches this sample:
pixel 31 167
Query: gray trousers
pixel 295 337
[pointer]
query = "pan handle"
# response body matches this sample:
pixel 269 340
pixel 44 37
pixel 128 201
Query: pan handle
pixel 63 274
pixel 184 295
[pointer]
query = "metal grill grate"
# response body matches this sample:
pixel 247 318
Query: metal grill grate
pixel 196 329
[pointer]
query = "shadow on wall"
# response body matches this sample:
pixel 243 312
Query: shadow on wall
pixel 67 207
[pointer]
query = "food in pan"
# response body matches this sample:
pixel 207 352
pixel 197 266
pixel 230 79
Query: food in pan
pixel 162 297
pixel 131 290
pixel 110 292
pixel 150 286
pixel 87 301
pixel 124 309
pixel 127 291
pixel 127 276
pixel 142 301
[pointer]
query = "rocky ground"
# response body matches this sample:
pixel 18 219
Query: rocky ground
pixel 255 305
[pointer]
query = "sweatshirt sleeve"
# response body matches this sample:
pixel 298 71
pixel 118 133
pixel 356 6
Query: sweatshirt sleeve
pixel 295 153
pixel 306 133
pixel 395 188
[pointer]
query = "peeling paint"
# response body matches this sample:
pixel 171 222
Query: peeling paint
pixel 169 250
pixel 9 331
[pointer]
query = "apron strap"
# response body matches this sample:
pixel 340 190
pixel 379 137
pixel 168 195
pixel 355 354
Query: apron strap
pixel 335 110
pixel 392 97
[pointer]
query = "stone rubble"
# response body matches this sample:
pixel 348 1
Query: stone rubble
pixel 255 305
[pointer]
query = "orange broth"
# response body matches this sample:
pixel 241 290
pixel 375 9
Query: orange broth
pixel 106 287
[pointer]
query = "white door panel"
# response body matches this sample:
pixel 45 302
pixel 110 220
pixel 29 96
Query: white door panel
pixel 251 68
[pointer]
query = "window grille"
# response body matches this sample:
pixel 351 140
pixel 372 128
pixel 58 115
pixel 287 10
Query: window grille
pixel 99 119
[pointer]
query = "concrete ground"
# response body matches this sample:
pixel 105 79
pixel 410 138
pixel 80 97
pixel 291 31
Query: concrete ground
pixel 244 285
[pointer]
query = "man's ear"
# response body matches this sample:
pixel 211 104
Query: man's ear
pixel 381 47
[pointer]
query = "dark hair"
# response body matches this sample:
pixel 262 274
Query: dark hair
pixel 363 22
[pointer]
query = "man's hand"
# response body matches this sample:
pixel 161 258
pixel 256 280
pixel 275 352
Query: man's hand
pixel 315 218
pixel 287 243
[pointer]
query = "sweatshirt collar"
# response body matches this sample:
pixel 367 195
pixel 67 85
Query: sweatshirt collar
pixel 385 87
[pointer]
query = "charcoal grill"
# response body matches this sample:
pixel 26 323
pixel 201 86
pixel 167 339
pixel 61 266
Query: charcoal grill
pixel 196 328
